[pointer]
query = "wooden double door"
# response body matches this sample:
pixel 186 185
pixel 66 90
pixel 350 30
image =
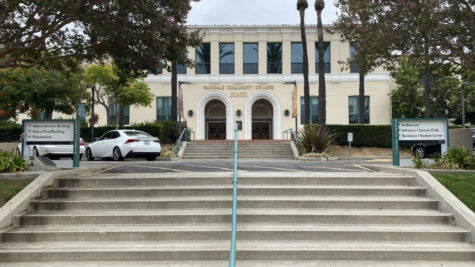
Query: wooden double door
pixel 261 130
pixel 216 130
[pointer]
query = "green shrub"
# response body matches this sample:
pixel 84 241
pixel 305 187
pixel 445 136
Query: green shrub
pixel 166 131
pixel 363 135
pixel 316 139
pixel 10 132
pixel 9 162
pixel 418 162
pixel 459 158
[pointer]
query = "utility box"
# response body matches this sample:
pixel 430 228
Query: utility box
pixel 461 137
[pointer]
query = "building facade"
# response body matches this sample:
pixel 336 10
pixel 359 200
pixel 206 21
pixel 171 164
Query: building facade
pixel 241 73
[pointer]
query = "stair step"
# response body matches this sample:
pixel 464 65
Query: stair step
pixel 246 250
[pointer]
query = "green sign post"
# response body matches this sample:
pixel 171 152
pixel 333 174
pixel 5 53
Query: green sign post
pixel 419 130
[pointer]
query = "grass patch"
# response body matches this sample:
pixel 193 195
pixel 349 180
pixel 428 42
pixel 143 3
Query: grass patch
pixel 8 189
pixel 462 185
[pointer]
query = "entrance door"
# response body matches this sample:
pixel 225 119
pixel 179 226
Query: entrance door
pixel 261 130
pixel 216 130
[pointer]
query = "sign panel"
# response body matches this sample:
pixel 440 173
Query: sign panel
pixel 416 130
pixel 350 137
pixel 48 132
pixel 422 130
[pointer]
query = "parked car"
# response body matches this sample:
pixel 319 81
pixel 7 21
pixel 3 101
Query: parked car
pixel 52 151
pixel 425 150
pixel 120 144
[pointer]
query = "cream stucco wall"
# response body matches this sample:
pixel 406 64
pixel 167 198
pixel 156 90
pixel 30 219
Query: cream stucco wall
pixel 238 89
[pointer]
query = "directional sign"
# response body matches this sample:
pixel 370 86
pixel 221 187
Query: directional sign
pixel 49 132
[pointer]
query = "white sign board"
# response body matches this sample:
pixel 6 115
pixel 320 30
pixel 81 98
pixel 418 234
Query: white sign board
pixel 48 132
pixel 422 130
pixel 350 137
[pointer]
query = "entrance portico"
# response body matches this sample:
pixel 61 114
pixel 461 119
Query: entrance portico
pixel 263 117
pixel 215 114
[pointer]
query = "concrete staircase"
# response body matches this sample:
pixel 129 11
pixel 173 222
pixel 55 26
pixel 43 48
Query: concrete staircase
pixel 250 149
pixel 339 219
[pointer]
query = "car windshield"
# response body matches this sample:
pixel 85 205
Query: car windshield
pixel 136 134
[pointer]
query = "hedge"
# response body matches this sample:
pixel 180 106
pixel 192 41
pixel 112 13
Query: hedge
pixel 167 132
pixel 364 135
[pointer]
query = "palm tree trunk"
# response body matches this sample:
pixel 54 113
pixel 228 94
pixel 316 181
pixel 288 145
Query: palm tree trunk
pixel 361 100
pixel 322 102
pixel 306 86
pixel 174 99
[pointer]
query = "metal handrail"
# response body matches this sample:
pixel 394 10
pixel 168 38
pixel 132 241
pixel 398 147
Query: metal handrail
pixel 288 134
pixel 232 252
pixel 179 142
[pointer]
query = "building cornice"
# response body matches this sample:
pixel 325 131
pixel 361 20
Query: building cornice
pixel 266 78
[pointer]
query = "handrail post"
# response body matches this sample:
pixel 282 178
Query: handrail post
pixel 232 253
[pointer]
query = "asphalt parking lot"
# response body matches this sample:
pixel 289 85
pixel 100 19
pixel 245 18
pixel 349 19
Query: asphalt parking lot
pixel 244 165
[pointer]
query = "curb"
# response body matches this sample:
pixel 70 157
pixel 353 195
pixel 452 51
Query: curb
pixel 463 216
pixel 20 202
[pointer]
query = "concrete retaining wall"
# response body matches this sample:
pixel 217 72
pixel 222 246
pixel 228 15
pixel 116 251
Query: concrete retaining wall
pixel 461 137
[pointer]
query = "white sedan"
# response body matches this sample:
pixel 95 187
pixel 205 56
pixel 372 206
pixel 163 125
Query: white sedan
pixel 52 151
pixel 120 144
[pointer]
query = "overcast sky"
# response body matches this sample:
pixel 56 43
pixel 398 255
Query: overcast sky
pixel 210 12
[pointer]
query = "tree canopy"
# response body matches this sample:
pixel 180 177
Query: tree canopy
pixel 138 35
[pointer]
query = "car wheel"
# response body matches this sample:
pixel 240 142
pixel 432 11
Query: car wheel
pixel 117 155
pixel 419 151
pixel 80 156
pixel 151 158
pixel 35 153
pixel 89 154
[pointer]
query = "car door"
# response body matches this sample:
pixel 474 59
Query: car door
pixel 99 150
pixel 111 143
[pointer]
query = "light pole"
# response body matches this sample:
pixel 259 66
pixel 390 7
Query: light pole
pixel 93 88
pixel 294 105
pixel 462 97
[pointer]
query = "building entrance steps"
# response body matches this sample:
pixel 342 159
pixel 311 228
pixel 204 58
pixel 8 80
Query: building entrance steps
pixel 181 220
pixel 224 149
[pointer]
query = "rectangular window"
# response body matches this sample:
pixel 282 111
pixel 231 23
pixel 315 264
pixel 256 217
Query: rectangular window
pixel 353 109
pixel 250 58
pixel 82 112
pixel 163 108
pixel 326 57
pixel 226 58
pixel 181 68
pixel 114 110
pixel 313 109
pixel 353 67
pixel 203 59
pixel 274 58
pixel 297 58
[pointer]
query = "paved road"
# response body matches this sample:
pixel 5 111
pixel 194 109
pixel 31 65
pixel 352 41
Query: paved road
pixel 244 165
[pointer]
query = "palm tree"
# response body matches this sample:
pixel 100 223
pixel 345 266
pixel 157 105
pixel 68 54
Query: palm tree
pixel 173 112
pixel 322 102
pixel 301 6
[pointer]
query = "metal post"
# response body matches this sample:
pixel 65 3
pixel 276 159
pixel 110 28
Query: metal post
pixel 296 129
pixel 232 253
pixel 92 114
pixel 76 142
pixel 462 92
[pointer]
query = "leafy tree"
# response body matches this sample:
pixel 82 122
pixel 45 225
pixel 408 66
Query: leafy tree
pixel 407 97
pixel 39 88
pixel 133 33
pixel 109 91
pixel 322 99
pixel 445 94
pixel 104 79
pixel 358 25
pixel 301 6
pixel 415 30
pixel 456 32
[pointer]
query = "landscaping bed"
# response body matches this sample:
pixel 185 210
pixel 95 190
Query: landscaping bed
pixel 9 188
